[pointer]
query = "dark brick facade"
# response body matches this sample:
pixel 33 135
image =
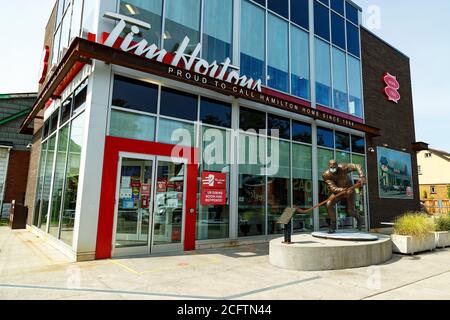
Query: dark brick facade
pixel 16 179
pixel 396 121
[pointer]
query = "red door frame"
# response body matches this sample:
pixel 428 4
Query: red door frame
pixel 113 147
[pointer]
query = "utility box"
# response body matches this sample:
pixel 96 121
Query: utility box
pixel 18 216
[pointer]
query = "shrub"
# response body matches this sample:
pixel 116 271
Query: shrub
pixel 414 224
pixel 442 223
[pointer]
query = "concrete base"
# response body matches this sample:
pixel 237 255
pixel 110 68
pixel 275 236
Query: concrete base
pixel 308 253
pixel 346 236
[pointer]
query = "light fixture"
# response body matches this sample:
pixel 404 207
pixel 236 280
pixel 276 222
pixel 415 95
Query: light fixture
pixel 385 145
pixel 371 150
pixel 130 9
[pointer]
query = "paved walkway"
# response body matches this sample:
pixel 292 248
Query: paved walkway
pixel 32 269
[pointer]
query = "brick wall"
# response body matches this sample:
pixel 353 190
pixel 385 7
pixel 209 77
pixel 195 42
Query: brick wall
pixel 396 121
pixel 16 179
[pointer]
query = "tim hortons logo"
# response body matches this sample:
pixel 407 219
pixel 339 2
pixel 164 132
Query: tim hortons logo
pixel 224 71
pixel 392 87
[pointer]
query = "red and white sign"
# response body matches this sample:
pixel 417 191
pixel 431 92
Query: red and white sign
pixel 391 90
pixel 145 190
pixel 216 197
pixel 44 65
pixel 214 188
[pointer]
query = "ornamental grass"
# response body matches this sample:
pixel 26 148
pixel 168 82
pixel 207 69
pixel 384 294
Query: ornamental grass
pixel 442 223
pixel 414 224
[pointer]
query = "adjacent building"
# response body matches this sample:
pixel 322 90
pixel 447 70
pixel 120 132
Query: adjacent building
pixel 171 125
pixel 14 148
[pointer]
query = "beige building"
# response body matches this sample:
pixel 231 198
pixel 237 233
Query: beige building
pixel 434 174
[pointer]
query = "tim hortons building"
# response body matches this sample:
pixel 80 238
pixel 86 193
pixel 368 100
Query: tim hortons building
pixel 173 125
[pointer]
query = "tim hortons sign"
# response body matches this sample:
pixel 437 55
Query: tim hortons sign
pixel 224 71
pixel 392 87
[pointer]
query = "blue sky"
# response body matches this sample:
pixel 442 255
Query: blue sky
pixel 419 29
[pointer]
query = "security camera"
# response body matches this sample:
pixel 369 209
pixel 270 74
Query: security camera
pixel 372 150
pixel 29 146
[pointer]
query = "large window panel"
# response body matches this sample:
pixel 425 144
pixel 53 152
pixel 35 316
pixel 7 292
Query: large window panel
pixel 213 221
pixel 148 11
pixel 300 63
pixel 353 39
pixel 77 11
pixel 133 94
pixel 300 12
pixel 301 132
pixel 176 132
pixel 55 50
pixel 47 183
pixel 321 21
pixel 323 73
pixel 340 80
pixel 338 30
pixel 325 137
pixel 358 144
pixel 278 55
pixel 302 186
pixel 338 6
pixel 250 119
pixel 40 182
pixel 324 156
pixel 65 32
pixel 252 186
pixel 217 30
pixel 178 104
pixel 182 19
pixel 279 6
pixel 72 177
pixel 278 183
pixel 252 41
pixel 352 13
pixel 215 113
pixel 354 78
pixel 132 126
pixel 279 126
pixel 58 182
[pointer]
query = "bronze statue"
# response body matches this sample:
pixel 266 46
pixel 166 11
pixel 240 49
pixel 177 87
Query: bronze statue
pixel 338 180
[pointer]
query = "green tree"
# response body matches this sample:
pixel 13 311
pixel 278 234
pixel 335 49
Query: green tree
pixel 448 192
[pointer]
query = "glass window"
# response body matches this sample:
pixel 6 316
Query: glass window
pixel 300 12
pixel 132 126
pixel 302 186
pixel 215 113
pixel 148 11
pixel 252 41
pixel 46 129
pixel 354 80
pixel 324 156
pixel 176 132
pixel 72 176
pixel 58 182
pixel 55 50
pixel 54 122
pixel 352 39
pixel 80 98
pixel 279 6
pixel 250 119
pixel 323 73
pixel 251 186
pixel 325 138
pixel 342 141
pixel 361 160
pixel 300 63
pixel 66 110
pixel 40 182
pixel 352 13
pixel 325 2
pixel 278 183
pixel 65 32
pixel 340 81
pixel 278 55
pixel 321 21
pixel 77 11
pixel 59 12
pixel 358 144
pixel 182 20
pixel 342 157
pixel 282 125
pixel 338 6
pixel 301 132
pixel 338 30
pixel 178 104
pixel 213 221
pixel 47 184
pixel 218 30
pixel 261 2
pixel 134 94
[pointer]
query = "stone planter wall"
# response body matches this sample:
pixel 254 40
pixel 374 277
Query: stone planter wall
pixel 412 245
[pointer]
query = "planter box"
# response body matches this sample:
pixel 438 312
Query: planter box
pixel 412 245
pixel 442 239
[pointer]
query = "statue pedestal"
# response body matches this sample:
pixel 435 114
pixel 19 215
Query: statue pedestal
pixel 309 253
pixel 346 236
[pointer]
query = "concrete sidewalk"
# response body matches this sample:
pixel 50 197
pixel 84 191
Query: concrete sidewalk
pixel 32 269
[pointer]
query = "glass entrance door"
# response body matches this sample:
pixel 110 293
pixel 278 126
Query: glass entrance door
pixel 150 201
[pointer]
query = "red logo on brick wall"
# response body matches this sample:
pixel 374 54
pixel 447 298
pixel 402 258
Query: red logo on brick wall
pixel 391 90
pixel 44 65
